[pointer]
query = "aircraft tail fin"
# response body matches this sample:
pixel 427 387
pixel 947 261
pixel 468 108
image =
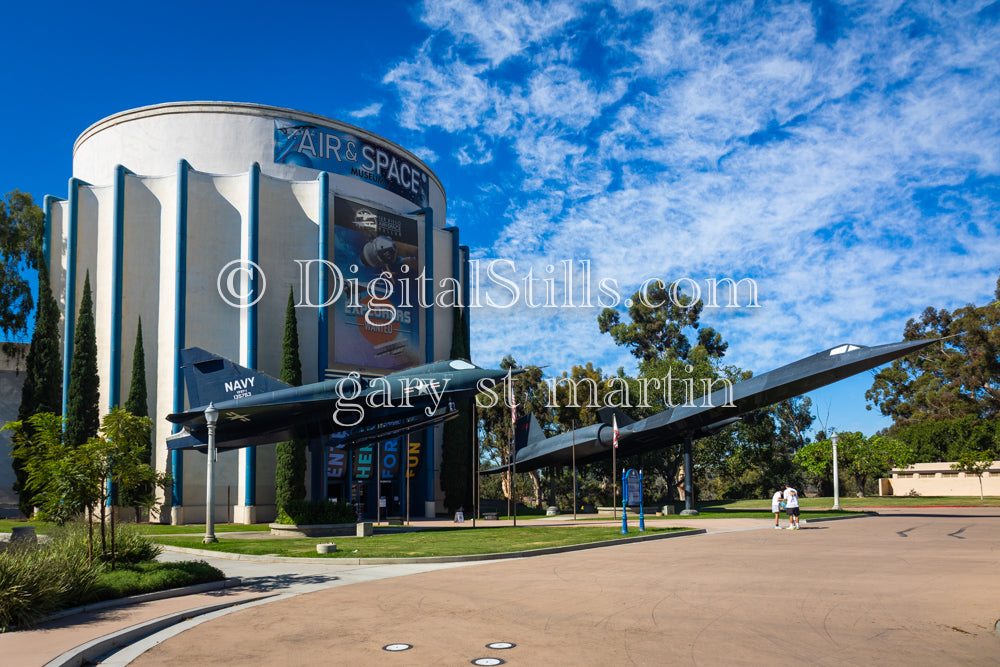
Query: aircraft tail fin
pixel 212 379
pixel 528 431
pixel 605 414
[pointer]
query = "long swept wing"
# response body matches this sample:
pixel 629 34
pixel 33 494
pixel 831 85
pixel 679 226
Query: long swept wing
pixel 709 413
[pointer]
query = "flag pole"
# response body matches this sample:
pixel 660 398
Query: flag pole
pixel 513 455
pixel 614 465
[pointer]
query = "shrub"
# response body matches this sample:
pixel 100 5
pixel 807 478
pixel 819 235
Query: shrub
pixel 132 546
pixel 138 578
pixel 38 579
pixel 308 512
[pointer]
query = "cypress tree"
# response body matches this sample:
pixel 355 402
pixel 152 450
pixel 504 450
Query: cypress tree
pixel 42 390
pixel 137 404
pixel 290 469
pixel 82 411
pixel 457 441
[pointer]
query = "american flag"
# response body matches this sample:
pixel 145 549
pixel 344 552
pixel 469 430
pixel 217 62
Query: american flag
pixel 614 429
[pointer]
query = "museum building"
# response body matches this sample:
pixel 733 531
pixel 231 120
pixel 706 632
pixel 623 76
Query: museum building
pixel 198 218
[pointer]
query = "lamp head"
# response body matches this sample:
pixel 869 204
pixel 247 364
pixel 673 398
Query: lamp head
pixel 211 414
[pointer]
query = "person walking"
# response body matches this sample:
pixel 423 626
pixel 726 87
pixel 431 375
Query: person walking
pixel 791 497
pixel 777 504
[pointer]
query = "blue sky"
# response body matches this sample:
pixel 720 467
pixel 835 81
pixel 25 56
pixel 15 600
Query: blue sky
pixel 844 156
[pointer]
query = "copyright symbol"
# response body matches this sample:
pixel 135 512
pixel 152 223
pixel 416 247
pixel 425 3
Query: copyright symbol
pixel 236 283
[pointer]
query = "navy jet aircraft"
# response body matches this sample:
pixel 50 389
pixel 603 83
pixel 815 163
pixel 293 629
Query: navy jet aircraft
pixel 706 416
pixel 256 409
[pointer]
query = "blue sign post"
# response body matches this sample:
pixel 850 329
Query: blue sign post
pixel 625 492
pixel 632 487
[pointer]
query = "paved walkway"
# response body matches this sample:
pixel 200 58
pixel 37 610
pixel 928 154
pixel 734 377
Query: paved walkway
pixel 912 586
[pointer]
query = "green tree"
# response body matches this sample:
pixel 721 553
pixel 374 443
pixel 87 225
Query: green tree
pixel 119 454
pixel 665 334
pixel 860 458
pixel 42 390
pixel 530 393
pixel 137 404
pixel 457 440
pixel 975 463
pixel 958 377
pixel 947 439
pixel 290 469
pixel 658 320
pixel 22 226
pixel 59 478
pixel 82 411
pixel 67 480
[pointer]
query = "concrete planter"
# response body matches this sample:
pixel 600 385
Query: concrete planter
pixel 314 530
pixel 327 548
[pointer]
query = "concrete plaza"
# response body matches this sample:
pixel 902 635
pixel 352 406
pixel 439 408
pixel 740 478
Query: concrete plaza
pixel 911 586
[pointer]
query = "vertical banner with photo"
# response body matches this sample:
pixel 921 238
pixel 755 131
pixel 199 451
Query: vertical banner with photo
pixel 376 322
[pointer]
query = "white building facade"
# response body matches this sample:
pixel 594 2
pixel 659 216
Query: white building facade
pixel 199 218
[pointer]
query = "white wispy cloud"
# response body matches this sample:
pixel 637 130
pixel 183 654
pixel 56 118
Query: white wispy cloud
pixel 851 167
pixel 369 111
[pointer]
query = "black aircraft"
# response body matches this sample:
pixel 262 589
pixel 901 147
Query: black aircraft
pixel 701 417
pixel 256 409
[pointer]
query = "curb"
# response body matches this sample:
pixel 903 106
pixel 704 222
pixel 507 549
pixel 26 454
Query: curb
pixel 90 651
pixel 144 597
pixel 433 559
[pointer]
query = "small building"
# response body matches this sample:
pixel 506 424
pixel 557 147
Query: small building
pixel 939 479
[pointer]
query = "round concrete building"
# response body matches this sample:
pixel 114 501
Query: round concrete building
pixel 198 218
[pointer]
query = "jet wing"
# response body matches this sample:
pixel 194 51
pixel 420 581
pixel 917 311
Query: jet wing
pixel 709 414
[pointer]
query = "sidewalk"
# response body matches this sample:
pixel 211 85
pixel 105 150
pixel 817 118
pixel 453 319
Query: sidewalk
pixel 49 640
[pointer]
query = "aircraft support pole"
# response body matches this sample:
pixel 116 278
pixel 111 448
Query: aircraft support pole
pixel 378 483
pixel 614 480
pixel 689 476
pixel 575 499
pixel 513 480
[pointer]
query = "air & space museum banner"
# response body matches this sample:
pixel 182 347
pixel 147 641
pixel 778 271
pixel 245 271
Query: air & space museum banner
pixel 339 152
pixel 376 320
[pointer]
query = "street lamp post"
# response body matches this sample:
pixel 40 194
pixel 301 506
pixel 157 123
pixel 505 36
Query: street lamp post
pixel 211 417
pixel 836 476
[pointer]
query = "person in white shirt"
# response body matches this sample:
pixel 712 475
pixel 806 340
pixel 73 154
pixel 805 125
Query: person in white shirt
pixel 777 500
pixel 792 506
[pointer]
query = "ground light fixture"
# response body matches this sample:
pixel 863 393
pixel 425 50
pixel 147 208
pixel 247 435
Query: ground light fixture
pixel 397 647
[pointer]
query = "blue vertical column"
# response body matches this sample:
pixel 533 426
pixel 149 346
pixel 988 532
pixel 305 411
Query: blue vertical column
pixel 253 227
pixel 180 309
pixel 428 469
pixel 117 263
pixel 69 316
pixel 323 253
pixel 466 292
pixel 318 448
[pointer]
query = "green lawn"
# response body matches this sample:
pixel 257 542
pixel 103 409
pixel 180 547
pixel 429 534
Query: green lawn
pixel 721 512
pixel 854 503
pixel 43 527
pixel 430 542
